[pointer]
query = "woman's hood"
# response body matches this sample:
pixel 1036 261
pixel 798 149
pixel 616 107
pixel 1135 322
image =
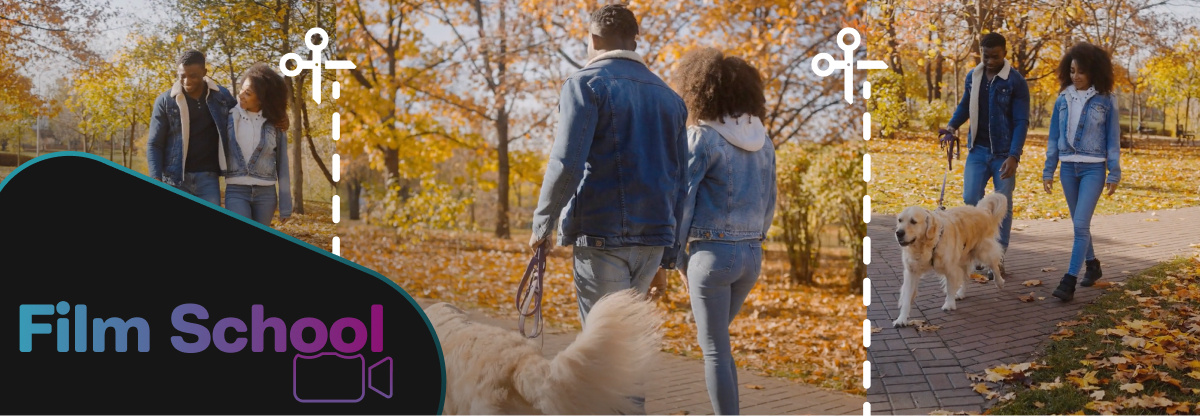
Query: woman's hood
pixel 746 132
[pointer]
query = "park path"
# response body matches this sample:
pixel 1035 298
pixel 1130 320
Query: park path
pixel 918 372
pixel 677 384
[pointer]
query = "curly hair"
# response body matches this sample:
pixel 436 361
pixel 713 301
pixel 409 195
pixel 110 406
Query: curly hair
pixel 1093 61
pixel 615 20
pixel 272 91
pixel 714 86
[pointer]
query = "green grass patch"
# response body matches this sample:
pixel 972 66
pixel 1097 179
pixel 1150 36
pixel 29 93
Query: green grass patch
pixel 1158 309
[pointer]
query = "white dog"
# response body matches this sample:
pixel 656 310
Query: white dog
pixel 490 370
pixel 949 243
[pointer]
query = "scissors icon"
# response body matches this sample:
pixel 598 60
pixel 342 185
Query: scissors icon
pixel 315 63
pixel 845 64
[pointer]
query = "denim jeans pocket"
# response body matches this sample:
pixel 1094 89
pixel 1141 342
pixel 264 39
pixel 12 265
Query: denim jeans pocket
pixel 715 256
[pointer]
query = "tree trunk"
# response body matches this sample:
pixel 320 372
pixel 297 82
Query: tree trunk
pixel 939 72
pixel 112 148
pixel 355 188
pixel 502 230
pixel 313 147
pixel 297 156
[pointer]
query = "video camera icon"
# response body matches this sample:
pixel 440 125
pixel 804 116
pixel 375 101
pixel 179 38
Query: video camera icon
pixel 330 377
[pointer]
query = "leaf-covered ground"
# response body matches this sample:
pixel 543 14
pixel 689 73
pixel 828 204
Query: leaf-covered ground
pixel 1136 350
pixel 908 170
pixel 807 334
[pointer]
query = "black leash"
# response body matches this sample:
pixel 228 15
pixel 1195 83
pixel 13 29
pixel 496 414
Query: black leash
pixel 949 141
pixel 529 292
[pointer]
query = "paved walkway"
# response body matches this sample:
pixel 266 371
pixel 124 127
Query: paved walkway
pixel 918 372
pixel 677 384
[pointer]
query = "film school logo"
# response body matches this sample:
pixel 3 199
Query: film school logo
pixel 232 335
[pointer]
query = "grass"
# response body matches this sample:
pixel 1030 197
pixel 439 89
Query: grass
pixel 908 171
pixel 1164 287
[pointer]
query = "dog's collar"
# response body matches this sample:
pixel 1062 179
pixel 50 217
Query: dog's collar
pixel 933 251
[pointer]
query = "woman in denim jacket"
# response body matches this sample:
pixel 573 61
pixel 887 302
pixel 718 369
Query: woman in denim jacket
pixel 257 158
pixel 729 205
pixel 1086 137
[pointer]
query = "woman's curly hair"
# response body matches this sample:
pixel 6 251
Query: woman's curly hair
pixel 1093 61
pixel 272 92
pixel 714 86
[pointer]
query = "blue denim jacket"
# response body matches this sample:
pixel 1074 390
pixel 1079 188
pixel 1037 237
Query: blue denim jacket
pixel 615 174
pixel 731 192
pixel 1098 135
pixel 268 162
pixel 166 151
pixel 1008 104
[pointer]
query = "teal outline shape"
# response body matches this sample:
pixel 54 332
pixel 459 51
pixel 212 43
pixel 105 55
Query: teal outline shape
pixel 139 175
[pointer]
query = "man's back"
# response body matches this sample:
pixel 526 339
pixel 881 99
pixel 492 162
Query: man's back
pixel 635 155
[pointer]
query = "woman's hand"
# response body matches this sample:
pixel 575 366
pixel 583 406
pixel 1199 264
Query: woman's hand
pixel 1048 184
pixel 1112 187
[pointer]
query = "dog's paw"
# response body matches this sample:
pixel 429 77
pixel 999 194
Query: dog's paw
pixel 900 323
pixel 960 295
pixel 949 306
pixel 999 282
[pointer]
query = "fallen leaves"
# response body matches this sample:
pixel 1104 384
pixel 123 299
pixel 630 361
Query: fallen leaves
pixel 1131 387
pixel 810 334
pixel 1144 359
pixel 1062 334
pixel 1027 298
pixel 754 387
pixel 1049 269
pixel 1031 283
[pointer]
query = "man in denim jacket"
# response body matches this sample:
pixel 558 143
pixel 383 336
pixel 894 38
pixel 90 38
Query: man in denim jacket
pixel 187 131
pixel 616 171
pixel 996 100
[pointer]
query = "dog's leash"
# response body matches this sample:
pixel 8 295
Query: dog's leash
pixel 529 292
pixel 950 142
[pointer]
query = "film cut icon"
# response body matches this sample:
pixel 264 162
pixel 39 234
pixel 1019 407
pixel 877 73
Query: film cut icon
pixel 330 377
pixel 315 63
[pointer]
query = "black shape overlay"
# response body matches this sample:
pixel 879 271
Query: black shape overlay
pixel 79 230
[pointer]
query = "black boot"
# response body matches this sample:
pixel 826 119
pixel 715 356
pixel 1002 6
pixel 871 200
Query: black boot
pixel 1092 274
pixel 1066 288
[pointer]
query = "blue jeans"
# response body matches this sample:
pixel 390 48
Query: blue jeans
pixel 204 185
pixel 720 276
pixel 600 271
pixel 982 166
pixel 1082 185
pixel 252 201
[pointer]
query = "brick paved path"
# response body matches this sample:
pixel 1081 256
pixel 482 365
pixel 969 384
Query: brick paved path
pixel 918 372
pixel 677 384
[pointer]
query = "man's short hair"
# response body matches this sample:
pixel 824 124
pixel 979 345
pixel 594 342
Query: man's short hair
pixel 992 40
pixel 615 21
pixel 191 57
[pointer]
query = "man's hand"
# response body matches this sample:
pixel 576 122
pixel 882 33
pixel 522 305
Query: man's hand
pixel 1048 184
pixel 658 286
pixel 1112 187
pixel 945 135
pixel 534 241
pixel 1008 168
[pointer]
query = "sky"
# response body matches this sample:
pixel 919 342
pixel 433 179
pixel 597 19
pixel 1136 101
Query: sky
pixel 131 12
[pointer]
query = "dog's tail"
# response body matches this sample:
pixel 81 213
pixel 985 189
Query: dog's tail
pixel 996 204
pixel 604 367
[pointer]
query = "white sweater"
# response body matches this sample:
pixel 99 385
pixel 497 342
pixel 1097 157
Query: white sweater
pixel 247 127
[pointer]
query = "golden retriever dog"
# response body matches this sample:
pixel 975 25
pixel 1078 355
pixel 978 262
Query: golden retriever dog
pixel 491 370
pixel 949 243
